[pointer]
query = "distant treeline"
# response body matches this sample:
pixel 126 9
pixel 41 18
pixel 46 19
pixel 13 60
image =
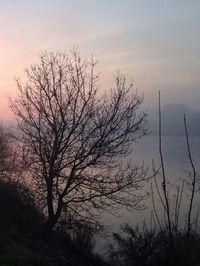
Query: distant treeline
pixel 172 121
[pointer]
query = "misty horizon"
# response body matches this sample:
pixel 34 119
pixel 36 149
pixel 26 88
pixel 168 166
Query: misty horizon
pixel 100 132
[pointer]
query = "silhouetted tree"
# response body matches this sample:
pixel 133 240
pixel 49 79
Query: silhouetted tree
pixel 8 158
pixel 77 138
pixel 4 149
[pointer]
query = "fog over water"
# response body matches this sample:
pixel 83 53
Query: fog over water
pixel 176 161
pixel 177 169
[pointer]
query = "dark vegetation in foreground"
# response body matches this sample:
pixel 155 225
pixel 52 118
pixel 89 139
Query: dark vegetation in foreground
pixel 21 239
pixel 147 247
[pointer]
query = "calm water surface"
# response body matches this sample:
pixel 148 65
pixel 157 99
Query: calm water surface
pixel 177 168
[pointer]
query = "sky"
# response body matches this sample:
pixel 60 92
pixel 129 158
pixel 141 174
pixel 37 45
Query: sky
pixel 155 43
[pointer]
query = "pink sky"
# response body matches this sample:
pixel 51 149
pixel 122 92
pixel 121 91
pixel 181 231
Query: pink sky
pixel 157 44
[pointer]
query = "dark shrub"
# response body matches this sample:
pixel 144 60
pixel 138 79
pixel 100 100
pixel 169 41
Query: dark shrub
pixel 154 248
pixel 17 208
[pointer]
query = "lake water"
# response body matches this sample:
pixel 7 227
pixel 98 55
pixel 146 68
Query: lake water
pixel 177 168
pixel 175 153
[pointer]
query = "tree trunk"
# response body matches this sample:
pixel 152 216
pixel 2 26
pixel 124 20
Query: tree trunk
pixel 53 218
pixel 49 225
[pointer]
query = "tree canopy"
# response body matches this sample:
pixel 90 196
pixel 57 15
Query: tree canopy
pixel 77 138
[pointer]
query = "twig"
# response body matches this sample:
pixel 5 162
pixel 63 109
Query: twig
pixel 154 208
pixel 193 177
pixel 163 174
pixel 156 185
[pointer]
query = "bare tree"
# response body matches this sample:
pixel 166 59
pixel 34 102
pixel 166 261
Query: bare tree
pixel 77 139
pixel 8 161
